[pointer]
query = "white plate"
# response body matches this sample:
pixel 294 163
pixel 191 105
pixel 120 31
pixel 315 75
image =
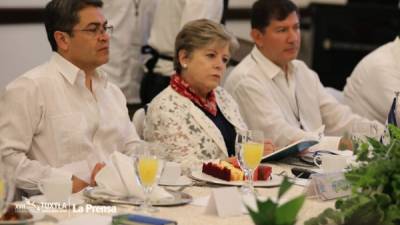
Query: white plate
pixel 181 181
pixel 35 217
pixel 275 181
pixel 73 200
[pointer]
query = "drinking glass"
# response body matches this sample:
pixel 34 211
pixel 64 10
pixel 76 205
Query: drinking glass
pixel 148 167
pixel 361 130
pixel 251 148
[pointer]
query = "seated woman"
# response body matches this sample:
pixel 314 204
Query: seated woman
pixel 195 118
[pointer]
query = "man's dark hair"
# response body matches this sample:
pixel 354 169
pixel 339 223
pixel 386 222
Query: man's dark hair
pixel 62 15
pixel 263 11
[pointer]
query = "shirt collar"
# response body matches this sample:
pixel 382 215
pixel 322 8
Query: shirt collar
pixel 71 72
pixel 270 69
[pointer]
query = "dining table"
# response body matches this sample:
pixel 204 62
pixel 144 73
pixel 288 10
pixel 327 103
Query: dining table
pixel 194 213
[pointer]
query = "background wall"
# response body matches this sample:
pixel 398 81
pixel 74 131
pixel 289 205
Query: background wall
pixel 24 45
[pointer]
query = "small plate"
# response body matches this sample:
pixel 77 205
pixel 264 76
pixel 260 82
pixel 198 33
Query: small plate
pixel 273 182
pixel 181 181
pixel 73 200
pixel 35 217
pixel 179 198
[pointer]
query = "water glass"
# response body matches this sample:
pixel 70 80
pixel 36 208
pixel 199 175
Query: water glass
pixel 249 149
pixel 148 167
pixel 361 130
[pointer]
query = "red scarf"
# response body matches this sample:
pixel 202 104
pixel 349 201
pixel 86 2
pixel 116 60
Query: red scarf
pixel 183 88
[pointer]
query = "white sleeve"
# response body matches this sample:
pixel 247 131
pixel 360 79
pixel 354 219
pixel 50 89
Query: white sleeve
pixel 21 113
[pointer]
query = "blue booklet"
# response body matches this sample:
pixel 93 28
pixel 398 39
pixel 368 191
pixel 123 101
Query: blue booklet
pixel 289 150
pixel 135 219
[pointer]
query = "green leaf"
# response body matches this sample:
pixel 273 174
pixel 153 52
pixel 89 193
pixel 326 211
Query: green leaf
pixel 287 212
pixel 266 211
pixel 285 185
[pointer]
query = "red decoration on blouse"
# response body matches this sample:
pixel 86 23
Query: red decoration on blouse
pixel 182 87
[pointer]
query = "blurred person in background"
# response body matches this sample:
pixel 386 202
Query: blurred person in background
pixel 370 89
pixel 170 16
pixel 132 21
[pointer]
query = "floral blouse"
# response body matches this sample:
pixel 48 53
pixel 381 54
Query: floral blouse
pixel 188 135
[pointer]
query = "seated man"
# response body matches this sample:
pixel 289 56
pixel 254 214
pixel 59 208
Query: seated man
pixel 370 89
pixel 63 117
pixel 277 93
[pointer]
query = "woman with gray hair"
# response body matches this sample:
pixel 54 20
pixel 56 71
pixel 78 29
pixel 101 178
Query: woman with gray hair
pixel 193 117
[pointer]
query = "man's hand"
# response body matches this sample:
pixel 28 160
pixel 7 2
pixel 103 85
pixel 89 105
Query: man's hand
pixel 268 147
pixel 95 170
pixel 78 184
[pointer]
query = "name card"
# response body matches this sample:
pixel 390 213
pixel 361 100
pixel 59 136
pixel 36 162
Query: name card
pixel 329 186
pixel 225 202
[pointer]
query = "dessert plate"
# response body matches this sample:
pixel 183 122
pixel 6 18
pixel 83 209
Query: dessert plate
pixel 273 182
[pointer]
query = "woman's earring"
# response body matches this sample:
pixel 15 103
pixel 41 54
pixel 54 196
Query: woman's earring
pixel 184 65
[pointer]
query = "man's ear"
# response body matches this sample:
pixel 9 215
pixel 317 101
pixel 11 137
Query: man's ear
pixel 62 40
pixel 257 36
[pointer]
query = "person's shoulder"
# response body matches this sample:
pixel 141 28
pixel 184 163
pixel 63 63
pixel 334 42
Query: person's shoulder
pixel 244 70
pixel 382 56
pixel 168 104
pixel 167 98
pixel 244 66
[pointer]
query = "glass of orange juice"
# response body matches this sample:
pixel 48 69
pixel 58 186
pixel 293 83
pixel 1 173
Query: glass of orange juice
pixel 148 167
pixel 249 154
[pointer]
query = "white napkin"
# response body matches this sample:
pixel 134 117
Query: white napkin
pixel 118 179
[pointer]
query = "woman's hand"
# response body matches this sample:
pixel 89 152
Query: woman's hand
pixel 268 147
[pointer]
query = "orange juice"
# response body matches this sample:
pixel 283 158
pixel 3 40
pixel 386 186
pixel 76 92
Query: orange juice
pixel 147 169
pixel 252 153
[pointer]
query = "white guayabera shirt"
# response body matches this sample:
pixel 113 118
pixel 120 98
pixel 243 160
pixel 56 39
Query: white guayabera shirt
pixel 370 89
pixel 49 119
pixel 291 113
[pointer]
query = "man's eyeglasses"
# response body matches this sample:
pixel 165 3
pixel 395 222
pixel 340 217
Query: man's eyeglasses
pixel 98 30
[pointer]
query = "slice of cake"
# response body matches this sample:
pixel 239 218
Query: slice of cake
pixel 223 170
pixel 231 171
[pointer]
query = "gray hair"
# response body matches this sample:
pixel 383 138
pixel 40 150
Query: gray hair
pixel 198 34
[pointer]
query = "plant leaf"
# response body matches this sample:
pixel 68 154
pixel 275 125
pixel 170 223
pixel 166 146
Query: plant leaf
pixel 285 185
pixel 287 212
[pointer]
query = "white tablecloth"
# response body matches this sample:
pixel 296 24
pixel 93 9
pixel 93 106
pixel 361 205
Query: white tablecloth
pixel 195 215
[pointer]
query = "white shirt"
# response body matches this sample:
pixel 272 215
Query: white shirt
pixel 369 90
pixel 131 32
pixel 170 17
pixel 257 85
pixel 49 119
